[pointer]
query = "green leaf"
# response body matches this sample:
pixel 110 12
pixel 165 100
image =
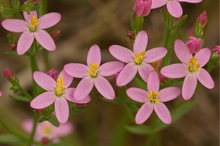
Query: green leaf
pixel 11 53
pixel 132 21
pixel 139 129
pixel 11 139
pixel 140 83
pixel 15 4
pixel 7 12
pixel 53 120
pixel 20 98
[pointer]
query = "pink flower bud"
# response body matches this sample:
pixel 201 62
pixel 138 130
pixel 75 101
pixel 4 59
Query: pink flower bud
pixel 130 34
pixel 13 46
pixel 52 73
pixel 56 34
pixel 194 44
pixel 142 7
pixel 45 140
pixel 162 78
pixel 8 74
pixel 202 19
pixel 216 51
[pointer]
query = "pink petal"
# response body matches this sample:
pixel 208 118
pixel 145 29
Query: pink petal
pixel 144 71
pixel 175 8
pixel 14 25
pixel 189 86
pixel 143 113
pixel 121 53
pixel 140 43
pixel 153 83
pixel 69 95
pixel 205 79
pixel 155 54
pixel 45 40
pixel 190 1
pixel 110 68
pixel 94 55
pixel 49 20
pixel 203 56
pixel 76 70
pixel 24 43
pixel 61 110
pixel 126 74
pixel 163 113
pixel 182 51
pixel 64 129
pixel 104 88
pixel 158 3
pixel 169 93
pixel 28 17
pixel 44 81
pixel 83 88
pixel 43 100
pixel 177 70
pixel 27 125
pixel 137 94
pixel 67 79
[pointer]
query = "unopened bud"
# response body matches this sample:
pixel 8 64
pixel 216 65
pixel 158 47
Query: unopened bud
pixel 52 73
pixel 142 7
pixel 8 74
pixel 40 110
pixel 202 19
pixel 56 34
pixel 13 46
pixel 162 78
pixel 194 44
pixel 45 140
pixel 130 35
pixel 216 51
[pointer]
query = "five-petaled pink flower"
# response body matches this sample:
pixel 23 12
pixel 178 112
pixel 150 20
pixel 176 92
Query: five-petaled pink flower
pixel 31 28
pixel 57 92
pixel 46 131
pixel 173 6
pixel 153 99
pixel 190 68
pixel 93 74
pixel 137 61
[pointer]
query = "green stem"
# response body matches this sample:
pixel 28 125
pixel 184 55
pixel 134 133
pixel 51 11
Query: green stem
pixel 24 92
pixel 34 67
pixel 36 117
pixel 46 60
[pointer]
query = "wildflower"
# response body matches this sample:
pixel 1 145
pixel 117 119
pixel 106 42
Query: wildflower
pixel 142 7
pixel 190 68
pixel 93 74
pixel 46 132
pixel 57 93
pixel 138 60
pixel 8 74
pixel 33 28
pixel 153 99
pixel 202 19
pixel 194 44
pixel 173 6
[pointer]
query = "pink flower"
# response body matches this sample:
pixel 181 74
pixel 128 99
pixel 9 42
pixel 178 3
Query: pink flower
pixel 93 74
pixel 194 44
pixel 173 6
pixel 142 7
pixel 202 19
pixel 46 130
pixel 138 60
pixel 31 28
pixel 190 68
pixel 57 93
pixel 153 99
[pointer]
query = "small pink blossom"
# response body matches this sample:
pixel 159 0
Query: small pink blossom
pixel 142 7
pixel 93 74
pixel 138 60
pixel 153 99
pixel 173 6
pixel 202 19
pixel 33 28
pixel 46 132
pixel 57 93
pixel 194 44
pixel 190 68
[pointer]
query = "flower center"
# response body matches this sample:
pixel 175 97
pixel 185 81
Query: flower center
pixel 47 130
pixel 33 23
pixel 139 58
pixel 153 97
pixel 93 71
pixel 59 87
pixel 193 65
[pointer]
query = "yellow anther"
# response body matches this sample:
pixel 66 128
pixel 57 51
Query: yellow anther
pixel 153 97
pixel 59 86
pixel 139 58
pixel 193 65
pixel 93 71
pixel 34 21
pixel 47 130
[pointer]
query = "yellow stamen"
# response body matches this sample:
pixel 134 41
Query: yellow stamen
pixel 193 65
pixel 33 23
pixel 153 97
pixel 47 130
pixel 59 87
pixel 93 71
pixel 139 58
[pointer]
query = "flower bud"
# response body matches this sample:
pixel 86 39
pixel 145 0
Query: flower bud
pixel 194 44
pixel 130 34
pixel 52 73
pixel 202 19
pixel 13 46
pixel 142 7
pixel 45 140
pixel 8 74
pixel 216 51
pixel 162 78
pixel 56 34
